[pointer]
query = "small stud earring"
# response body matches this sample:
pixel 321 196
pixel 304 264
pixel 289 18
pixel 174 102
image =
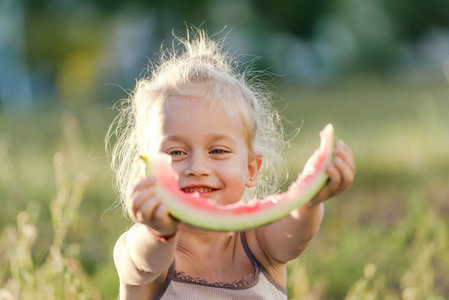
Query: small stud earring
pixel 251 179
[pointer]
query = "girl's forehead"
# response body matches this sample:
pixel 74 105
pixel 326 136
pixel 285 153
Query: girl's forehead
pixel 185 104
pixel 192 114
pixel 187 101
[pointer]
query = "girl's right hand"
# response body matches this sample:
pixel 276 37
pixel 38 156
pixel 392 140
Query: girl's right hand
pixel 146 207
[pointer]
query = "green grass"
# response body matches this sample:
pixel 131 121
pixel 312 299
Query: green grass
pixel 385 238
pixel 394 218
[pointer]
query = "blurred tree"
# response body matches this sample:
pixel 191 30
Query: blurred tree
pixel 372 31
pixel 320 38
pixel 15 84
pixel 413 17
pixel 297 17
pixel 50 22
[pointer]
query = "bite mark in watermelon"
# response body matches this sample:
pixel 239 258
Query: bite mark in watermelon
pixel 192 209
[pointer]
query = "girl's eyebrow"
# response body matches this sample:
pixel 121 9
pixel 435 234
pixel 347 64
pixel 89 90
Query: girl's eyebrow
pixel 221 136
pixel 212 136
pixel 173 137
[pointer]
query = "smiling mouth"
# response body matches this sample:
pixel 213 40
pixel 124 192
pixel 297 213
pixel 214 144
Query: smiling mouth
pixel 198 190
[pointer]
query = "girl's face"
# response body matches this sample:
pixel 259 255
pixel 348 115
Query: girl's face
pixel 208 150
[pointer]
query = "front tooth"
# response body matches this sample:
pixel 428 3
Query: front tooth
pixel 200 190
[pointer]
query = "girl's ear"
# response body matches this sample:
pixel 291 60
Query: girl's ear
pixel 253 169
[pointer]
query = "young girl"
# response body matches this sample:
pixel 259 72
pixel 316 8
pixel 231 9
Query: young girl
pixel 224 141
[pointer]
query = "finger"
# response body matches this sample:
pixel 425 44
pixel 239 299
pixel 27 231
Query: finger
pixel 142 196
pixel 166 222
pixel 144 183
pixel 146 211
pixel 138 199
pixel 341 144
pixel 349 161
pixel 346 155
pixel 346 173
pixel 162 213
pixel 340 176
pixel 334 179
pixel 327 191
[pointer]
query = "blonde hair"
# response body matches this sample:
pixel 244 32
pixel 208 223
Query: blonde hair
pixel 200 68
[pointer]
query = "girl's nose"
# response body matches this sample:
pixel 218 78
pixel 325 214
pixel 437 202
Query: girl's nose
pixel 197 166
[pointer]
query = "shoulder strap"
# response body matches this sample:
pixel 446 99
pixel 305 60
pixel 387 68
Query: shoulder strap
pixel 258 265
pixel 167 281
pixel 246 248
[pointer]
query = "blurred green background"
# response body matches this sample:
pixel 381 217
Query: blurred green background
pixel 377 69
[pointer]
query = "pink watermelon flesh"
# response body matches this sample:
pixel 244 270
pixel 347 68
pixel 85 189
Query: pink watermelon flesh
pixel 192 209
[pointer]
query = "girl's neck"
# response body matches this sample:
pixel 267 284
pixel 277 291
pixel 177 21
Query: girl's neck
pixel 213 256
pixel 204 242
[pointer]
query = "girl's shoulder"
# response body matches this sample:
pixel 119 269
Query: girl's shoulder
pixel 275 268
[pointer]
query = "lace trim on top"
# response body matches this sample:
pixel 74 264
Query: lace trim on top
pixel 243 282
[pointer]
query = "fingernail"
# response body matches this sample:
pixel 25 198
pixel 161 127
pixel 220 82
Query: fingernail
pixel 338 161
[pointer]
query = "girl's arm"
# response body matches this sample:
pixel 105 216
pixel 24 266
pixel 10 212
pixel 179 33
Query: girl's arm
pixel 286 239
pixel 142 254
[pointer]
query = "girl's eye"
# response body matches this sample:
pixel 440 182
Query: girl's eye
pixel 176 152
pixel 218 151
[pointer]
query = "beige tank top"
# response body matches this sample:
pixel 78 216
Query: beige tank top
pixel 255 286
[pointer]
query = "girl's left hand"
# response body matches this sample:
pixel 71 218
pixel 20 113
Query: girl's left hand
pixel 341 173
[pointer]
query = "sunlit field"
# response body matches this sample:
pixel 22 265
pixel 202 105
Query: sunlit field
pixel 387 237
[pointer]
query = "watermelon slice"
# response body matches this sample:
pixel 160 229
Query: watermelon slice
pixel 192 209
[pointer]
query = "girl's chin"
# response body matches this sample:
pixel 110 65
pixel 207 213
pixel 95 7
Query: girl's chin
pixel 225 202
pixel 216 198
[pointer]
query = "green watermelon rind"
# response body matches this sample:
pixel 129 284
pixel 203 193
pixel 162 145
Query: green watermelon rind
pixel 224 220
pixel 233 223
